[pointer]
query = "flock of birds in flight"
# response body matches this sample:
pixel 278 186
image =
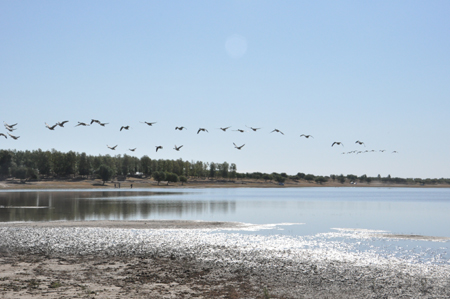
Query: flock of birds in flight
pixel 11 128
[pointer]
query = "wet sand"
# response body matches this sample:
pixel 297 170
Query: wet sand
pixel 188 259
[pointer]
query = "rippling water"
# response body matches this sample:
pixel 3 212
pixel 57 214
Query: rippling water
pixel 382 220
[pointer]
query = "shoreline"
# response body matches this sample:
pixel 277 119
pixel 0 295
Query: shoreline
pixel 188 259
pixel 198 183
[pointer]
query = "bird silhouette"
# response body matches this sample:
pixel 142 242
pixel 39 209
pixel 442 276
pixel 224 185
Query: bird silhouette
pixel 112 147
pixel 94 121
pixel 82 124
pixel 278 131
pixel 395 152
pixel 360 142
pixel 61 124
pixel 180 128
pixel 177 148
pixel 254 129
pixel 132 149
pixel 382 151
pixel 150 124
pixel 306 136
pixel 239 130
pixel 224 129
pixel 124 127
pixel 102 124
pixel 1 134
pixel 14 137
pixel 158 147
pixel 50 127
pixel 11 126
pixel 238 147
pixel 202 130
pixel 338 143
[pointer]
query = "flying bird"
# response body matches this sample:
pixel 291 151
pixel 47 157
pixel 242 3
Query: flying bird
pixel 382 151
pixel 278 131
pixel 202 130
pixel 177 148
pixel 14 137
pixel 150 124
pixel 360 142
pixel 124 127
pixel 112 147
pixel 94 121
pixel 254 129
pixel 338 143
pixel 82 124
pixel 225 129
pixel 238 147
pixel 102 124
pixel 11 126
pixel 1 134
pixel 61 124
pixel 158 147
pixel 395 152
pixel 180 128
pixel 306 136
pixel 50 127
pixel 239 130
pixel 132 149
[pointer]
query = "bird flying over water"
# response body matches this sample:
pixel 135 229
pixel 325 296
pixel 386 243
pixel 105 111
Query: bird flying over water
pixel 224 129
pixel 1 134
pixel 338 143
pixel 306 136
pixel 50 127
pixel 239 130
pixel 202 130
pixel 82 124
pixel 124 127
pixel 238 147
pixel 158 147
pixel 254 129
pixel 150 124
pixel 132 149
pixel 278 131
pixel 14 137
pixel 177 148
pixel 61 124
pixel 11 126
pixel 94 121
pixel 180 128
pixel 360 142
pixel 112 147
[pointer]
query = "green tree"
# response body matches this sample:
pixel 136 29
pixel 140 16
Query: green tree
pixel 6 159
pixel 309 177
pixel 212 170
pixel 84 167
pixel 105 172
pixel 172 177
pixel 321 179
pixel 159 176
pixel 183 179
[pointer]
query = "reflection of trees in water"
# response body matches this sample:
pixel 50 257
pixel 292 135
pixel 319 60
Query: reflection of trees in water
pixel 112 205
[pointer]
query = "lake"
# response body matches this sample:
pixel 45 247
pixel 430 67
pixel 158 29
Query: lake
pixel 381 219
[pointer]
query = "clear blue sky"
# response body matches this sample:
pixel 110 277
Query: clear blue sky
pixel 375 71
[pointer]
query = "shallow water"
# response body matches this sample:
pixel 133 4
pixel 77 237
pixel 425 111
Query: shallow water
pixel 357 219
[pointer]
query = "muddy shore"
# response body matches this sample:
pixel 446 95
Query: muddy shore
pixel 183 259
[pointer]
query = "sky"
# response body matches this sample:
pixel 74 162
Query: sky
pixel 374 71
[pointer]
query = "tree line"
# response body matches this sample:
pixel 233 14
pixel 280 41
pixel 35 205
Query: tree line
pixel 38 164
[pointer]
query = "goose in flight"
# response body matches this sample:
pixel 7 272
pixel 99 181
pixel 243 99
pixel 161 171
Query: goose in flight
pixel 254 129
pixel 395 152
pixel 202 130
pixel 82 124
pixel 11 126
pixel 238 147
pixel 224 129
pixel 14 137
pixel 124 127
pixel 338 143
pixel 112 147
pixel 177 148
pixel 382 151
pixel 306 136
pixel 132 149
pixel 180 128
pixel 94 121
pixel 102 124
pixel 50 127
pixel 278 131
pixel 239 130
pixel 61 124
pixel 150 124
pixel 1 134
pixel 360 142
pixel 158 147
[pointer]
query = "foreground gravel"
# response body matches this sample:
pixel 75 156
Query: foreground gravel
pixel 198 262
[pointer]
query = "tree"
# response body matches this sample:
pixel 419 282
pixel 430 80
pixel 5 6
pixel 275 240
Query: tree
pixel 320 180
pixel 309 177
pixel 183 179
pixel 267 177
pixel 280 179
pixel 5 162
pixel 212 170
pixel 105 172
pixel 84 167
pixel 172 177
pixel 159 176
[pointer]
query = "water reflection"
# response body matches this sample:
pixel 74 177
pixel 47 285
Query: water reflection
pixel 103 205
